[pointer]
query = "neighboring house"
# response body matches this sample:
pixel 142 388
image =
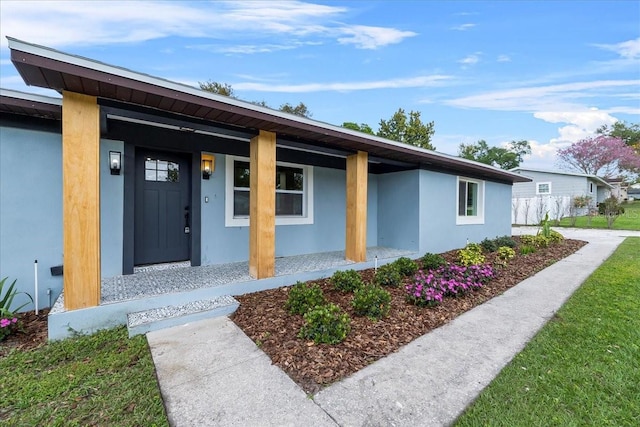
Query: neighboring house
pixel 554 192
pixel 127 170
pixel 618 188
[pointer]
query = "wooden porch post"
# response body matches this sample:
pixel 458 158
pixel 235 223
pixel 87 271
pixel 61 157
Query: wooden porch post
pixel 356 245
pixel 262 205
pixel 81 200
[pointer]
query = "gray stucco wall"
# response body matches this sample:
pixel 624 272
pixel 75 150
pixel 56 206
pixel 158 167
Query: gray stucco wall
pixel 398 210
pixel 438 209
pixel 222 244
pixel 111 210
pixel 30 211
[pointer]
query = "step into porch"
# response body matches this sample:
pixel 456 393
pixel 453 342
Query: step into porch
pixel 155 319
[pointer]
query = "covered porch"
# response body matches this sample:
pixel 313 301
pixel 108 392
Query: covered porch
pixel 179 293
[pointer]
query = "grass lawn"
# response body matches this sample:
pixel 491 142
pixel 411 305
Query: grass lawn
pixel 583 367
pixel 104 379
pixel 630 220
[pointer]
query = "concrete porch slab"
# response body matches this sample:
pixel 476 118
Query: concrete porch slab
pixel 154 289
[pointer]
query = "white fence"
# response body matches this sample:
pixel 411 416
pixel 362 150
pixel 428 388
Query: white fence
pixel 532 210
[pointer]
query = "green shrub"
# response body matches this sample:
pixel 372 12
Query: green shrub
pixel 346 281
pixel 527 249
pixel 387 275
pixel 542 241
pixel 611 209
pixel 326 324
pixel 538 241
pixel 371 301
pixel 489 245
pixel 405 266
pixel 303 297
pixel 471 255
pixel 545 225
pixel 505 253
pixel 432 261
pixel 555 237
pixel 610 206
pixel 528 240
pixel 505 241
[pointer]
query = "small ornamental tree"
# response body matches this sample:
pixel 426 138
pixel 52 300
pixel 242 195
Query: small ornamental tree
pixel 603 156
pixel 611 209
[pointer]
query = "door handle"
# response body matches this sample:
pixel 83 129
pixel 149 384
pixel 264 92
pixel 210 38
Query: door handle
pixel 187 229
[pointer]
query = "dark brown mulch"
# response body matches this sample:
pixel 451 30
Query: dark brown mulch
pixel 263 318
pixel 31 332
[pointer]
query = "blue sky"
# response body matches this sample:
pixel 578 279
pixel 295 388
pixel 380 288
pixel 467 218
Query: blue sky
pixel 550 72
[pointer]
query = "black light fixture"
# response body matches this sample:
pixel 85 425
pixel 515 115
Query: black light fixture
pixel 115 162
pixel 207 168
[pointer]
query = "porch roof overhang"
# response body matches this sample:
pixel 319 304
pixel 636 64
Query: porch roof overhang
pixel 28 104
pixel 45 67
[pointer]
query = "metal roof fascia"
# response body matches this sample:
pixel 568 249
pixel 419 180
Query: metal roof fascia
pixel 321 127
pixel 42 99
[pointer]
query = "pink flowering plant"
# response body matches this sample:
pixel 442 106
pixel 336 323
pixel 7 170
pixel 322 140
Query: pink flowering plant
pixel 6 325
pixel 429 288
pixel 8 320
pixel 425 289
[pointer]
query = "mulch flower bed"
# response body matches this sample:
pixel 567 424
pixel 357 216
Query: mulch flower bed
pixel 263 318
pixel 31 332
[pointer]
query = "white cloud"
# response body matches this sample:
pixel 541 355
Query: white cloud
pixel 463 27
pixel 562 104
pixel 543 155
pixel 628 50
pixel 365 37
pixel 579 124
pixel 589 120
pixel 71 23
pixel 561 97
pixel 420 81
pixel 243 49
pixel 504 58
pixel 472 59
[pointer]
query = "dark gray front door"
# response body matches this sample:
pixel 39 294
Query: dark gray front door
pixel 162 208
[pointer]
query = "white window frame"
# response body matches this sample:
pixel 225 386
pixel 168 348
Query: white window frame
pixel 243 221
pixel 470 219
pixel 538 192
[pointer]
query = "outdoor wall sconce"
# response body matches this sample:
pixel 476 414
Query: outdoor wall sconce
pixel 115 162
pixel 207 165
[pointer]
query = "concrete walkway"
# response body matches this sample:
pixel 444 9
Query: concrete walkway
pixel 210 373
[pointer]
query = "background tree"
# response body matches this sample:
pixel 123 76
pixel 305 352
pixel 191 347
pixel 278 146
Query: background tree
pixel 226 90
pixel 629 133
pixel 409 130
pixel 508 157
pixel 299 110
pixel 362 127
pixel 219 88
pixel 604 156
